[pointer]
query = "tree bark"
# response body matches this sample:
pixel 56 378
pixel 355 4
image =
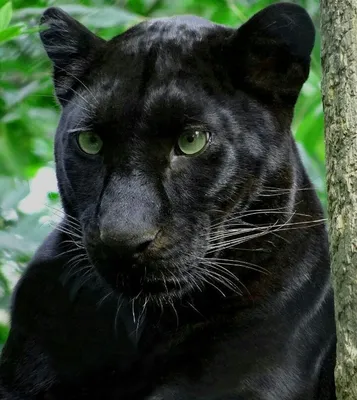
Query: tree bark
pixel 339 89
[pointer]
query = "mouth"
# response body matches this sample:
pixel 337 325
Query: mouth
pixel 152 279
pixel 170 273
pixel 152 286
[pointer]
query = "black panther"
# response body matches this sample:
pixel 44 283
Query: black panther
pixel 192 258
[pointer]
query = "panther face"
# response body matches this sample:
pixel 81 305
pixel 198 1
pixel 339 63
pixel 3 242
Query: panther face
pixel 166 132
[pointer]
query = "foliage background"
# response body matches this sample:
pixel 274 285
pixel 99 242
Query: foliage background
pixel 28 112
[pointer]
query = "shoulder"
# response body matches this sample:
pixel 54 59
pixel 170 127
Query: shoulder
pixel 39 286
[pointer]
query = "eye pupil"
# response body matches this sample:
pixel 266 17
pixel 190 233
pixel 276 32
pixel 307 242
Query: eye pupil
pixel 190 138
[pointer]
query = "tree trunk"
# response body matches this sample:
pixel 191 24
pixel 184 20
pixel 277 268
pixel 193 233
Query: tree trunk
pixel 339 88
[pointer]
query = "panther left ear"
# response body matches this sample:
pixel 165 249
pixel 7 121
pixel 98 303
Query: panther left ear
pixel 71 48
pixel 270 54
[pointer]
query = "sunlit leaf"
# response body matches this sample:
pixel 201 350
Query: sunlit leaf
pixel 5 16
pixel 10 33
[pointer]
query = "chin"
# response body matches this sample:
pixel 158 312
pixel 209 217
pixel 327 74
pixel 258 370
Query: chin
pixel 154 281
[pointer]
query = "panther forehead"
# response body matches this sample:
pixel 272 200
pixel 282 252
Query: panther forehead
pixel 180 31
pixel 183 20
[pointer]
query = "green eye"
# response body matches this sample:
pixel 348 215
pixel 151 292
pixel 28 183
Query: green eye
pixel 193 142
pixel 90 142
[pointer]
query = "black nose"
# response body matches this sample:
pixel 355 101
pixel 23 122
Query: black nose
pixel 127 242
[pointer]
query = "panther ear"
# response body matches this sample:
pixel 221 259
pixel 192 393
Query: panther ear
pixel 270 54
pixel 71 48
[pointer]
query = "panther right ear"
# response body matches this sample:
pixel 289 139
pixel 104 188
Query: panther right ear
pixel 270 53
pixel 71 48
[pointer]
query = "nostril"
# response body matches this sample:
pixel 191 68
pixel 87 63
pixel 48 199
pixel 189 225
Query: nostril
pixel 128 242
pixel 143 246
pixel 149 238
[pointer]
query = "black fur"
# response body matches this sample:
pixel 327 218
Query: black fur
pixel 176 277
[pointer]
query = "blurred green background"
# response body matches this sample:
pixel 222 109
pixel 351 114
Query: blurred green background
pixel 29 201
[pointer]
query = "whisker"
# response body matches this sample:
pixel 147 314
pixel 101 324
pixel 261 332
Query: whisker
pixel 237 263
pixel 71 250
pixel 141 316
pixel 285 190
pixel 82 280
pixel 63 213
pixel 225 270
pixel 133 306
pixel 218 278
pixel 77 272
pixel 233 242
pixel 254 213
pixel 75 92
pixel 61 228
pixel 105 297
pixel 195 309
pixel 265 230
pixel 119 305
pixel 69 224
pixel 194 282
pixel 78 244
pixel 211 284
pixel 175 311
pixel 82 83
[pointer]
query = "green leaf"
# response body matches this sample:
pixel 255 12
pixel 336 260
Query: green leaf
pixel 9 242
pixel 5 287
pixel 17 96
pixel 95 17
pixel 5 15
pixel 12 191
pixel 4 332
pixel 10 33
